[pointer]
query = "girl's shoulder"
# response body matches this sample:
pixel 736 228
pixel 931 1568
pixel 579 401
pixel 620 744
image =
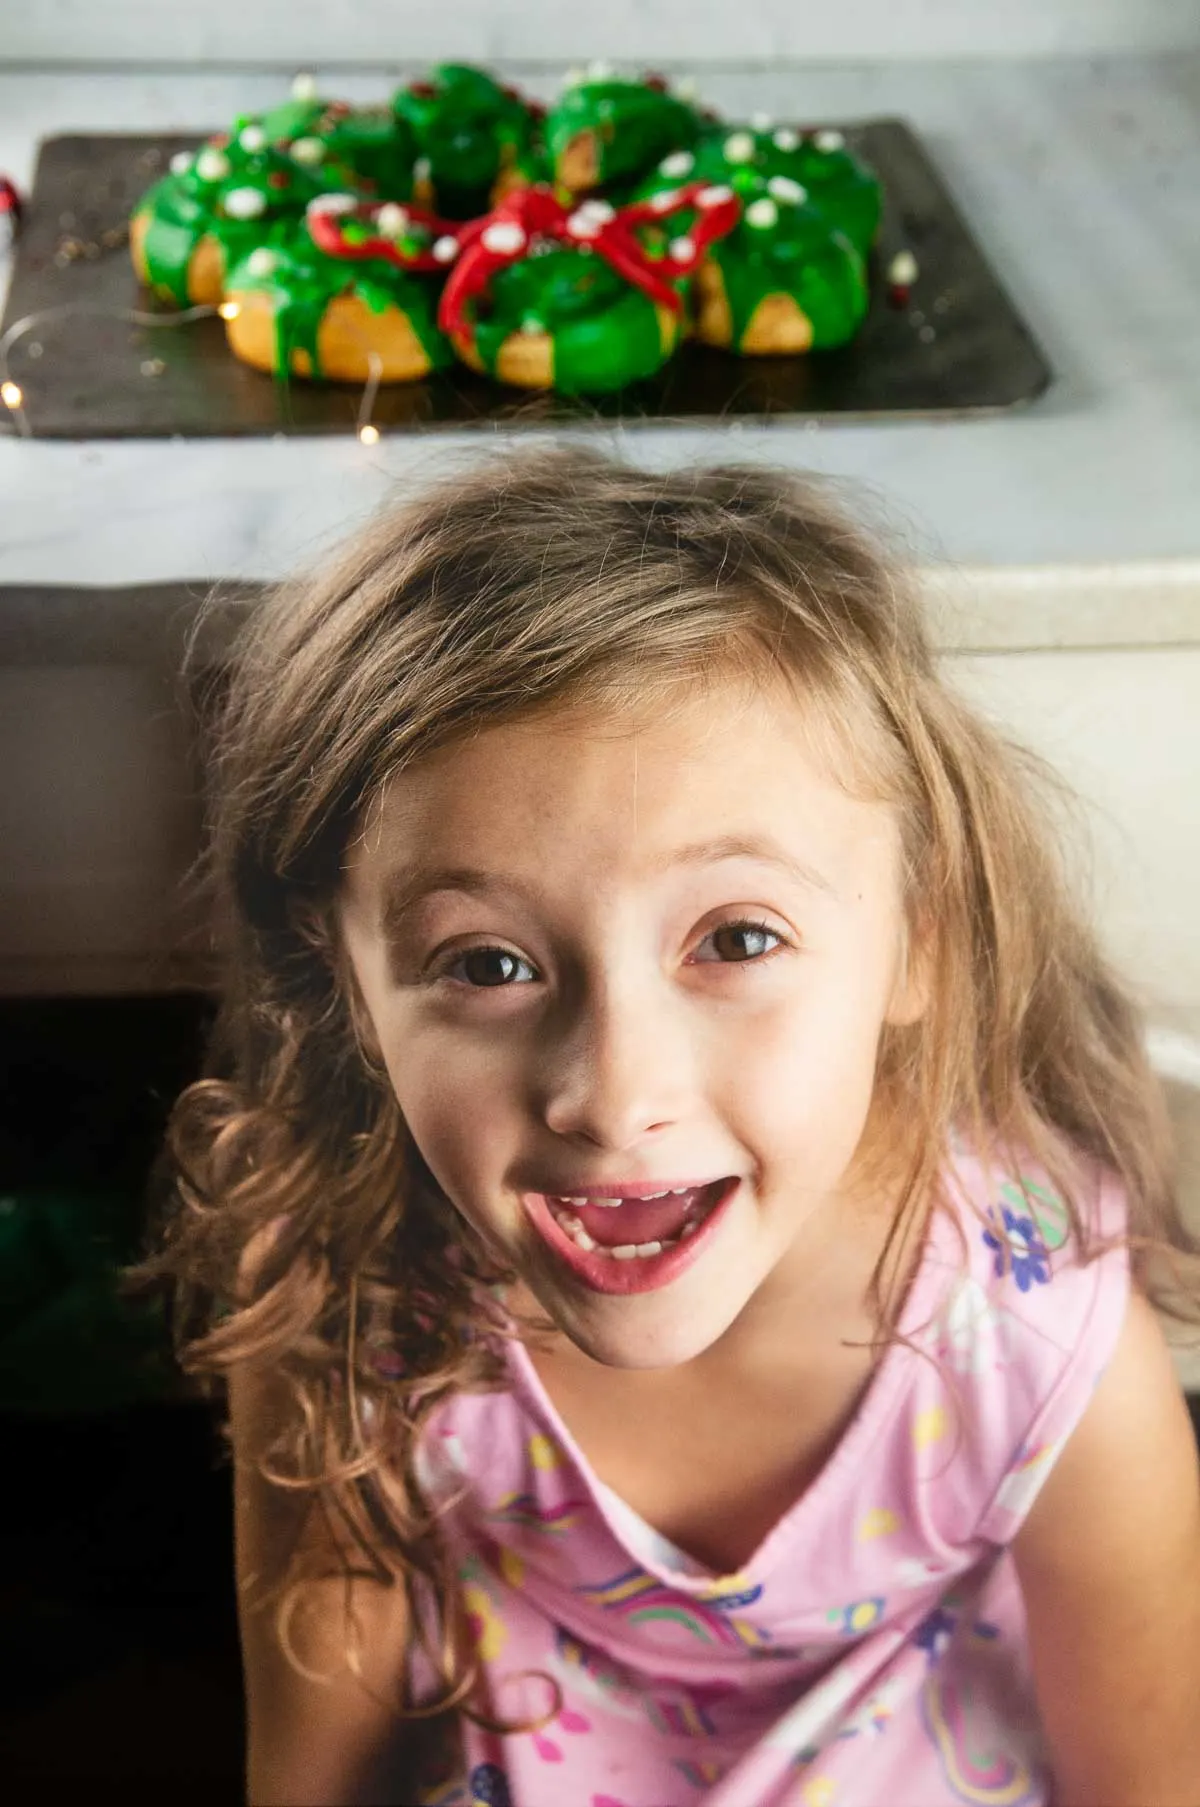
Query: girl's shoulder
pixel 1027 1295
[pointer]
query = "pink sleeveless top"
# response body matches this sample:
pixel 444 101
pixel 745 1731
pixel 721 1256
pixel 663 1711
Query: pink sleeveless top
pixel 872 1652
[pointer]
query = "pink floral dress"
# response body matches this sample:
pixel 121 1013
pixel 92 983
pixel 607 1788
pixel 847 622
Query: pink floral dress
pixel 872 1651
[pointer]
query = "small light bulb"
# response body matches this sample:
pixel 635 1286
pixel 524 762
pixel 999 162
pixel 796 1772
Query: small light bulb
pixel 229 310
pixel 368 434
pixel 10 395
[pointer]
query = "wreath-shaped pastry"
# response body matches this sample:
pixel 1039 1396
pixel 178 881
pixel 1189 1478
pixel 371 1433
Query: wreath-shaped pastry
pixel 474 140
pixel 368 150
pixel 792 276
pixel 579 299
pixel 604 130
pixel 350 293
pixel 211 210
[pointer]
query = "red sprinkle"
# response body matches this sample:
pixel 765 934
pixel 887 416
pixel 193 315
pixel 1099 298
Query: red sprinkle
pixel 898 294
pixel 279 178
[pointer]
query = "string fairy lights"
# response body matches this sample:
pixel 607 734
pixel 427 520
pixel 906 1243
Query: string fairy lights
pixel 13 395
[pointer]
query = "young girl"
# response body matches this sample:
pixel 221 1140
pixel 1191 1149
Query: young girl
pixel 665 1199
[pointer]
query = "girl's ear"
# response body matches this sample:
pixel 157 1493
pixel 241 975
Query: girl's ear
pixel 913 988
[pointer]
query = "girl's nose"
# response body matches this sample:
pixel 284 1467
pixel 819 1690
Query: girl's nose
pixel 619 1072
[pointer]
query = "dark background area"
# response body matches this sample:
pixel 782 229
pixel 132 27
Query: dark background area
pixel 120 1660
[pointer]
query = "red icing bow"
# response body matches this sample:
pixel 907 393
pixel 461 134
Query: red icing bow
pixel 327 229
pixel 502 237
pixel 11 210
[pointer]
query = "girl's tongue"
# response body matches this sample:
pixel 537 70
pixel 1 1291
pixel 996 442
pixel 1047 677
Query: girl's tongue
pixel 637 1220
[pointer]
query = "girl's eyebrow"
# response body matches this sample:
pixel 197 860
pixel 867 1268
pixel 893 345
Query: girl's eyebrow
pixel 405 887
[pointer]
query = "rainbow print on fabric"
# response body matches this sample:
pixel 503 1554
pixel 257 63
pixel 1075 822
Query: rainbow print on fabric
pixel 642 1599
pixel 973 1762
pixel 526 1511
pixel 702 1774
pixel 681 1715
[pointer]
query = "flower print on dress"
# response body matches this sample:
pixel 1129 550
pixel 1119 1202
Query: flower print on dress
pixel 1019 1249
pixel 489 1787
pixel 858 1617
pixel 934 1632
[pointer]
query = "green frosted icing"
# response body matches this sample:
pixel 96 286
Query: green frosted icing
pixel 364 152
pixel 302 280
pixel 365 149
pixel 820 269
pixel 469 128
pixel 195 202
pixel 606 334
pixel 810 215
pixel 634 125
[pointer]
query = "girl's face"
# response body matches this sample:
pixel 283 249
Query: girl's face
pixel 605 958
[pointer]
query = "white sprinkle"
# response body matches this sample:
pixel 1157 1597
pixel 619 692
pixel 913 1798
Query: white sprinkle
pixel 686 88
pixel 304 87
pixel 392 220
pixel 333 203
pixel 786 140
pixel 739 147
pixel 785 189
pixel 505 238
pixel 445 249
pixel 903 269
pixel 762 213
pixel 306 151
pixel 244 203
pixel 682 250
pixel 664 202
pixel 829 141
pixel 762 122
pixel 600 211
pixel 212 165
pixel 181 162
pixel 715 197
pixel 261 262
pixel 679 163
pixel 252 138
pixel 422 169
pixel 580 226
pixel 600 71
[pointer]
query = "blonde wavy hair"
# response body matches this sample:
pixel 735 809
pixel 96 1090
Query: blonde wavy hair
pixel 545 581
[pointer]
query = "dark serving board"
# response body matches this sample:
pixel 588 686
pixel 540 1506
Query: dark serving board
pixel 957 347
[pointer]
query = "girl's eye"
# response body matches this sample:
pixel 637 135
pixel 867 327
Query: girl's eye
pixel 737 943
pixel 497 968
pixel 485 968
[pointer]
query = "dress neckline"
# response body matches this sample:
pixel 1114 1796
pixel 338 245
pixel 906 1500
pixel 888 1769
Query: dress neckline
pixel 804 1514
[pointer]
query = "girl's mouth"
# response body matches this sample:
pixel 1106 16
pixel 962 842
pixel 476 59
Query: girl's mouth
pixel 630 1245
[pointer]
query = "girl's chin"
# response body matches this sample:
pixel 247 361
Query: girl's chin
pixel 646 1332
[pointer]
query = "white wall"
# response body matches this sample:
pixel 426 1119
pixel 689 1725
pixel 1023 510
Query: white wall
pixel 293 33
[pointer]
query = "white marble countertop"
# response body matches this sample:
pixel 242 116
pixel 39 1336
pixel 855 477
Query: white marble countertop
pixel 1079 179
